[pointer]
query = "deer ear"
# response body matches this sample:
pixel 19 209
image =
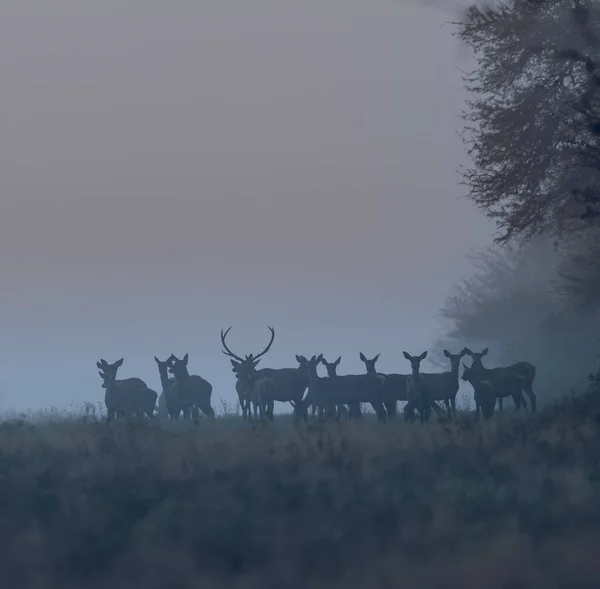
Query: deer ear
pixel 464 352
pixel 338 361
pixel 484 351
pixel 119 363
pixel 298 359
pixel 102 375
pixel 255 363
pixel 320 358
pixel 423 355
pixel 362 357
pixel 185 360
pixel 156 360
pixel 234 363
pixel 376 357
pixel 99 365
pixel 406 355
pixel 447 353
pixel 467 352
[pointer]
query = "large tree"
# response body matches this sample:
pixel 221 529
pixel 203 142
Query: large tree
pixel 531 121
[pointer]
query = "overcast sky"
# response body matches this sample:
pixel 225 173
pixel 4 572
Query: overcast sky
pixel 171 168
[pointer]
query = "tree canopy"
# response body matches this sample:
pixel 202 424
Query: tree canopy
pixel 531 123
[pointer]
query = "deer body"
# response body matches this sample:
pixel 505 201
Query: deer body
pixel 346 389
pixel 502 375
pixel 130 396
pixel 393 385
pixel 353 411
pixel 444 385
pixel 168 401
pixel 418 391
pixel 193 392
pixel 486 390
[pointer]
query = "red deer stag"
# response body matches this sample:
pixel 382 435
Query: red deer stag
pixel 289 384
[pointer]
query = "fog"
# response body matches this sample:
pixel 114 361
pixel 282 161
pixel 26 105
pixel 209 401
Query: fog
pixel 170 169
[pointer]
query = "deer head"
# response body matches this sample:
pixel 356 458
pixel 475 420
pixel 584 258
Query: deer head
pixel 455 359
pixel 177 367
pixel 369 364
pixel 330 366
pixel 310 365
pixel 243 367
pixel 415 361
pixel 108 372
pixel 477 356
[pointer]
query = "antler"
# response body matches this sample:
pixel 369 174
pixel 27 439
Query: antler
pixel 227 351
pixel 249 357
pixel 268 345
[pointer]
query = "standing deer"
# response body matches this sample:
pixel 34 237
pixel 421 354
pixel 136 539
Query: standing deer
pixel 193 391
pixel 394 385
pixel 347 389
pixel 417 389
pixel 353 411
pixel 254 392
pixel 525 370
pixel 169 399
pixel 487 391
pixel 123 398
pixel 289 384
pixel 444 385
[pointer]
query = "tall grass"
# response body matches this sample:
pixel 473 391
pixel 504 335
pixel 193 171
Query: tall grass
pixel 514 502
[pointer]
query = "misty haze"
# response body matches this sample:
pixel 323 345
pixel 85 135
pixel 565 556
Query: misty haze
pixel 300 294
pixel 170 172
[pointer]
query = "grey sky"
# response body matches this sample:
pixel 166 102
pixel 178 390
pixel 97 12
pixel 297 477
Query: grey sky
pixel 168 169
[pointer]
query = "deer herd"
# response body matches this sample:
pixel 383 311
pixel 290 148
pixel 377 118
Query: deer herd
pixel 328 397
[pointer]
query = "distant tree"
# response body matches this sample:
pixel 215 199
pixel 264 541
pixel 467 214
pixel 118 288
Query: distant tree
pixel 511 305
pixel 532 122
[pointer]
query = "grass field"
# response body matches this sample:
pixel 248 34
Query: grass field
pixel 514 502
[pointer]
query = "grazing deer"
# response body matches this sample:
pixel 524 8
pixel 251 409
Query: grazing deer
pixel 525 370
pixel 487 391
pixel 347 389
pixel 289 383
pixel 444 385
pixel 353 411
pixel 169 397
pixel 125 397
pixel 193 391
pixel 394 385
pixel 418 390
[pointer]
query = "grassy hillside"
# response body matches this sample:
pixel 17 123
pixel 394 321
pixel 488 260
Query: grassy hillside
pixel 510 503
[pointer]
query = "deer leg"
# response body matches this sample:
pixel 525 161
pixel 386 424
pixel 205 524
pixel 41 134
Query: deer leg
pixel 500 403
pixel 448 408
pixel 453 404
pixel 529 392
pixel 390 407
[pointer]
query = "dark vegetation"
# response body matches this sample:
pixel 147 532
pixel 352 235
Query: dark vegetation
pixel 512 502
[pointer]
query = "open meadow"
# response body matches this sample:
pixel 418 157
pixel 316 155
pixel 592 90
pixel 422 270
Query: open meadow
pixel 510 502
